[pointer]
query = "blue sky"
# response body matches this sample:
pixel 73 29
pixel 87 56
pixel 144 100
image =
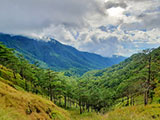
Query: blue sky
pixel 105 27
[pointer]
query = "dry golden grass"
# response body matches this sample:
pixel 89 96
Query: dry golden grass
pixel 16 104
pixel 19 105
pixel 85 116
pixel 150 112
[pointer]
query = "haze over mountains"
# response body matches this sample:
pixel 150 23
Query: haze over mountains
pixel 57 56
pixel 79 59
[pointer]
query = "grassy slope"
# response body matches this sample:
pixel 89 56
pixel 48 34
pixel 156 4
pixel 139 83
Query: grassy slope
pixel 139 111
pixel 22 105
pixel 16 104
pixel 126 71
pixel 85 116
pixel 150 112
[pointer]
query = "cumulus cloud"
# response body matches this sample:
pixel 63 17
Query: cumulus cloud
pixel 106 27
pixel 39 14
pixel 111 4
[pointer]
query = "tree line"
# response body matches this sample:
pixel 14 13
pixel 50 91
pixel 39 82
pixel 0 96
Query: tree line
pixel 95 90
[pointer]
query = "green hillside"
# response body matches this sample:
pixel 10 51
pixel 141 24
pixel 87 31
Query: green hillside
pixel 28 92
pixel 126 91
pixel 132 82
pixel 16 104
pixel 57 56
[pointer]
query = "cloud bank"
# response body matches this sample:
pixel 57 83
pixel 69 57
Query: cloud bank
pixel 106 27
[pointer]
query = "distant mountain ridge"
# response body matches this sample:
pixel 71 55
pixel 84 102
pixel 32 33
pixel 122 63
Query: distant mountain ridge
pixel 56 55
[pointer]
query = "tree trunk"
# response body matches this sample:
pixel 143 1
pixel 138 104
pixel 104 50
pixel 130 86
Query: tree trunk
pixel 145 98
pixel 51 96
pixel 80 107
pixel 65 101
pixel 133 100
pixel 122 100
pixel 55 101
pixel 87 107
pixel 83 107
pixel 36 91
pixel 50 93
pixel 127 101
pixel 59 101
pixel 76 105
pixel 151 98
pixel 70 103
pixel 14 75
pixel 91 108
pixel 26 86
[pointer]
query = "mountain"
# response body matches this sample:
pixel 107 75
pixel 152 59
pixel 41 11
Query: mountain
pixel 56 55
pixel 17 104
pixel 131 79
pixel 130 88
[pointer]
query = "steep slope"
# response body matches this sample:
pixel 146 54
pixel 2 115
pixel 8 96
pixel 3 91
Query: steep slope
pixel 57 56
pixel 129 79
pixel 16 104
pixel 150 112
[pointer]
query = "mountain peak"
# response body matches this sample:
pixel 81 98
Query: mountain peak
pixel 57 56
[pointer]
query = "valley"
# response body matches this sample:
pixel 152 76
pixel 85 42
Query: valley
pixel 57 56
pixel 125 91
pixel 79 60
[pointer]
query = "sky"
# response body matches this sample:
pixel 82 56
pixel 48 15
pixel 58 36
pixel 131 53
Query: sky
pixel 105 27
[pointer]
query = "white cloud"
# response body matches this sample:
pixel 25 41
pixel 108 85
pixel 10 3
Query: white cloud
pixel 108 27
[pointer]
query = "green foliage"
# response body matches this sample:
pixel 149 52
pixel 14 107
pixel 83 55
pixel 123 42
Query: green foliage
pixel 127 79
pixel 57 56
pixel 97 90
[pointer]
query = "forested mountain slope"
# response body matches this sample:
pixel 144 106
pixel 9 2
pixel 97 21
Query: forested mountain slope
pixel 134 82
pixel 137 77
pixel 17 104
pixel 28 92
pixel 57 56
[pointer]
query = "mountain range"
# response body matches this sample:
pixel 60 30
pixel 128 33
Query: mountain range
pixel 132 85
pixel 57 56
